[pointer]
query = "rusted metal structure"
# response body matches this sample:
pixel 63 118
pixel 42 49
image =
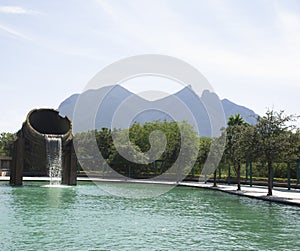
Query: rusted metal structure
pixel 5 163
pixel 29 154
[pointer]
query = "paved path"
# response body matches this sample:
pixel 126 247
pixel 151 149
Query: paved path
pixel 281 195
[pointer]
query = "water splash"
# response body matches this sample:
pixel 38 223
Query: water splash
pixel 54 157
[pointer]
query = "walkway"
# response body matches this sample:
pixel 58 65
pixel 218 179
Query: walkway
pixel 280 195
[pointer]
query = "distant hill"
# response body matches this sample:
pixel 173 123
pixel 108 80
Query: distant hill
pixel 112 97
pixel 231 108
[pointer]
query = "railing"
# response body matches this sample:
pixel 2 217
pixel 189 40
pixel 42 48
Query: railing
pixel 224 173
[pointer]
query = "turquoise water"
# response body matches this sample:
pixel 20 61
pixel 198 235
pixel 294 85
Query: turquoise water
pixel 86 218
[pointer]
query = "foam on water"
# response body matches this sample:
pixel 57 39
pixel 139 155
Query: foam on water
pixel 55 186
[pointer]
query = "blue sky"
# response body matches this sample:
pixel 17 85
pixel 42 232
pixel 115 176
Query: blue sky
pixel 248 50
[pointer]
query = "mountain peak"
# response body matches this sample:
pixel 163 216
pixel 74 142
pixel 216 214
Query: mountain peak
pixel 111 98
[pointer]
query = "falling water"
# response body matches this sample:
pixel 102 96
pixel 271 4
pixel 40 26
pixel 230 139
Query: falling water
pixel 54 157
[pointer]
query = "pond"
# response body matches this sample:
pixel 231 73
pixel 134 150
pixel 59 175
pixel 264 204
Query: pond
pixel 85 217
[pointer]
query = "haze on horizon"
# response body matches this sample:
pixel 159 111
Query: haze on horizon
pixel 248 50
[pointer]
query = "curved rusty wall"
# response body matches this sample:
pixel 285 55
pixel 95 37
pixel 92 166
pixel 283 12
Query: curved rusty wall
pixel 30 146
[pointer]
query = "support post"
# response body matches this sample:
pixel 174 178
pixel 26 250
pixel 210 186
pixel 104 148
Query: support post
pixel 179 175
pixel 215 178
pixel 129 171
pixel 70 166
pixel 250 174
pixel 74 164
pixel 247 164
pixel 298 171
pixel 78 168
pixel 16 176
pixel 103 168
pixel 272 170
pixel 228 178
pixel 289 175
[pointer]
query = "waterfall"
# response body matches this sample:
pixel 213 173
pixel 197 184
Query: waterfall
pixel 54 157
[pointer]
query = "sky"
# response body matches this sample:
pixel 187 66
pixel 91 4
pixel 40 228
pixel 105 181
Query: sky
pixel 248 50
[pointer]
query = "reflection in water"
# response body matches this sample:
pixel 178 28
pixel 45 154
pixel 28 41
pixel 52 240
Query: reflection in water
pixel 33 196
pixel 35 214
pixel 85 218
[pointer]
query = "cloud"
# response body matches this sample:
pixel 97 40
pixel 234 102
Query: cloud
pixel 17 10
pixel 13 32
pixel 233 43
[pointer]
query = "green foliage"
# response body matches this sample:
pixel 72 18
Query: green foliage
pixel 139 143
pixel 204 148
pixel 237 143
pixel 297 143
pixel 271 139
pixel 275 139
pixel 6 143
pixel 236 120
pixel 104 142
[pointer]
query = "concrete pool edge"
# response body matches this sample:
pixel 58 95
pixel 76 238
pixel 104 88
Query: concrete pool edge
pixel 280 195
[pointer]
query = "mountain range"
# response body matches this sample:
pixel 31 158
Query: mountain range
pixel 117 107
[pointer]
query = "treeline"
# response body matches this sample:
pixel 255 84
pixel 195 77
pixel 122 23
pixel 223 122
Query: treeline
pixel 274 139
pixel 131 147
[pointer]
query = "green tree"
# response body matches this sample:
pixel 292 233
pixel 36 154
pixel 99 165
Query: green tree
pixel 6 143
pixel 216 152
pixel 204 148
pixel 298 143
pixel 236 120
pixel 275 140
pixel 178 136
pixel 236 143
pixel 104 142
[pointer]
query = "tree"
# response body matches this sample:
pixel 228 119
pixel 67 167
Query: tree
pixel 204 148
pixel 298 143
pixel 275 140
pixel 104 142
pixel 121 151
pixel 216 151
pixel 236 120
pixel 6 143
pixel 235 143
